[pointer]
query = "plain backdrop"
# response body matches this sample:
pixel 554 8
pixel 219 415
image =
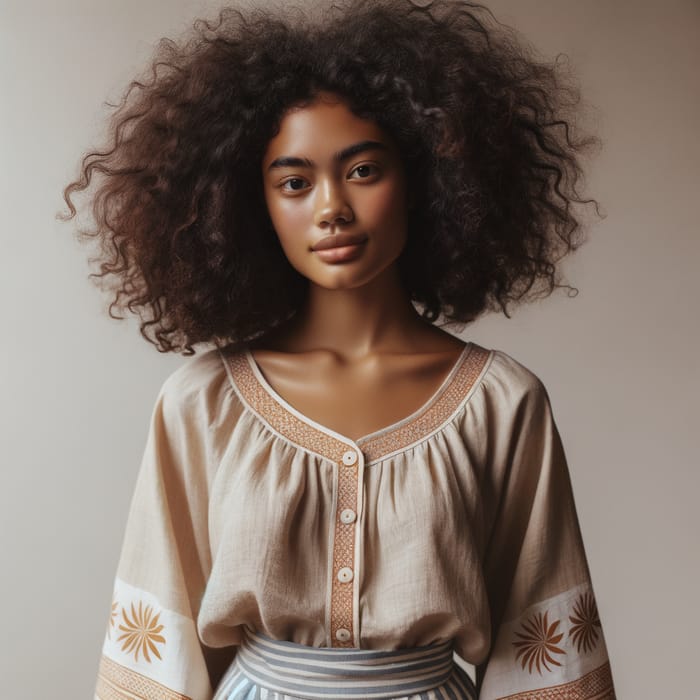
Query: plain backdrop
pixel 620 360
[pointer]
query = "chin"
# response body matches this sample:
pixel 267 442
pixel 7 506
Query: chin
pixel 343 275
pixel 337 283
pixel 337 276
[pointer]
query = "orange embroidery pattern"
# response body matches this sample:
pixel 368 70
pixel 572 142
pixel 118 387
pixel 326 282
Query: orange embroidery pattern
pixel 279 418
pixel 114 682
pixel 141 632
pixel 430 418
pixel 585 628
pixel 434 414
pixel 538 643
pixel 596 685
pixel 341 612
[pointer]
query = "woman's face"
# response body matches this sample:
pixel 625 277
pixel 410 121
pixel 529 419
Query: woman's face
pixel 335 190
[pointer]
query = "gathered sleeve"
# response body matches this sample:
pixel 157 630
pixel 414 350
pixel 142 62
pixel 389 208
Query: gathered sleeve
pixel 547 638
pixel 152 648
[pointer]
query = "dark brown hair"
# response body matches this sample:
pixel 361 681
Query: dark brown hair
pixel 486 131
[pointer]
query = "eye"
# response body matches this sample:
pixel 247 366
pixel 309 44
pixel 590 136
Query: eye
pixel 294 184
pixel 363 171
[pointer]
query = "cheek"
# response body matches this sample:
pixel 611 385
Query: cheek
pixel 288 219
pixel 388 208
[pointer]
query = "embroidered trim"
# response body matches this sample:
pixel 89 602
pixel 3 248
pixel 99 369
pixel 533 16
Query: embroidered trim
pixel 596 685
pixel 434 414
pixel 393 439
pixel 344 536
pixel 278 417
pixel 115 682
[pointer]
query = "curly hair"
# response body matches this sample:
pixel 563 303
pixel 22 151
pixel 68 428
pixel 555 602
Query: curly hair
pixel 485 128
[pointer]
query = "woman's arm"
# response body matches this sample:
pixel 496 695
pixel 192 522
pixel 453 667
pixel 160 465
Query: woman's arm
pixel 548 641
pixel 152 647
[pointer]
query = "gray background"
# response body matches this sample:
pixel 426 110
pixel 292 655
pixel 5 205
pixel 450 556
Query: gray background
pixel 620 360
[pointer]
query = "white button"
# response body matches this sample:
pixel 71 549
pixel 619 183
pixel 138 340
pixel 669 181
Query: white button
pixel 348 516
pixel 342 635
pixel 345 575
pixel 349 458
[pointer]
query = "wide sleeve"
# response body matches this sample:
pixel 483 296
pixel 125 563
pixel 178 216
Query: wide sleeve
pixel 152 648
pixel 547 638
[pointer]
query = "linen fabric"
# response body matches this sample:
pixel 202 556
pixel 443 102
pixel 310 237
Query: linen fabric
pixel 456 523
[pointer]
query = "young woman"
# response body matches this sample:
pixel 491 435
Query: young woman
pixel 336 494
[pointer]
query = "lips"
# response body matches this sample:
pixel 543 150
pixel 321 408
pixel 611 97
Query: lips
pixel 339 240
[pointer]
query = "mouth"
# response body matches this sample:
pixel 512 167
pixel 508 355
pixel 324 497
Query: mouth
pixel 340 240
pixel 340 247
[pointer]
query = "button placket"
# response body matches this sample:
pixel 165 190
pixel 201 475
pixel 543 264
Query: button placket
pixel 343 615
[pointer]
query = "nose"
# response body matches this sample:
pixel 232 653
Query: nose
pixel 332 206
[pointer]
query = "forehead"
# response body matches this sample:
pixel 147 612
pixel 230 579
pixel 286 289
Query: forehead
pixel 320 129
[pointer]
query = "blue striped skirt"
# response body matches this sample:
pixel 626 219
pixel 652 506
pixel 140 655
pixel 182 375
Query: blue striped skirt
pixel 274 670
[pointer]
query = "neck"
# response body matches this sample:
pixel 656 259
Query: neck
pixel 353 323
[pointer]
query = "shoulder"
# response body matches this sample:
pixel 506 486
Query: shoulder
pixel 505 368
pixel 511 381
pixel 510 407
pixel 200 385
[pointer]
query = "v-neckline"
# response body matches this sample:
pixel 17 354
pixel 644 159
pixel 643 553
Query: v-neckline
pixel 341 436
pixel 457 385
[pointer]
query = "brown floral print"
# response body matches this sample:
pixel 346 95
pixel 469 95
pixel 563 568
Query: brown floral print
pixel 585 627
pixel 537 643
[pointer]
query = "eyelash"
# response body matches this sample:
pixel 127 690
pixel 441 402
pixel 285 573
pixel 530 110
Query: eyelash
pixel 284 183
pixel 374 170
pixel 372 166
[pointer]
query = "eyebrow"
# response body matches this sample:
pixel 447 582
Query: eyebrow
pixel 295 162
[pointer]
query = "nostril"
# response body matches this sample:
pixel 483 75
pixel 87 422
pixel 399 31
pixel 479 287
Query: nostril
pixel 336 216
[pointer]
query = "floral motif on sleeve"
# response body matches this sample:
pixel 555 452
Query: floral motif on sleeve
pixel 585 627
pixel 141 632
pixel 537 643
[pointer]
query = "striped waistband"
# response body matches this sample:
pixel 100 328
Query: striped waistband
pixel 313 672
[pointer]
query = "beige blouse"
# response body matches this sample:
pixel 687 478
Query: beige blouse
pixel 456 522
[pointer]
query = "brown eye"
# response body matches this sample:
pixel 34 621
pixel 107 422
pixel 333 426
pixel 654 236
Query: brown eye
pixel 294 184
pixel 363 171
